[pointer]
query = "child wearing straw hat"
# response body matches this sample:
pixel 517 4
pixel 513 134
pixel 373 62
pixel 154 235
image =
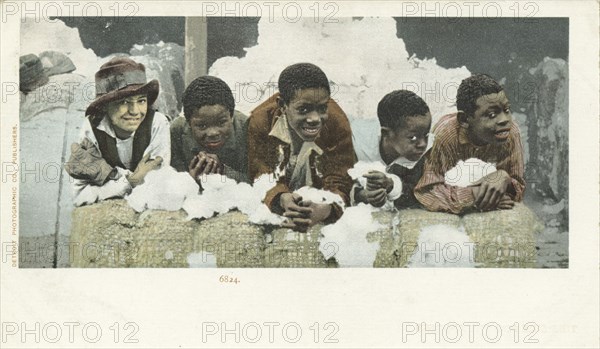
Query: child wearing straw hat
pixel 122 138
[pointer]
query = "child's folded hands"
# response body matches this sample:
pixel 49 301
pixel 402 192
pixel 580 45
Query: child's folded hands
pixel 301 214
pixel 490 191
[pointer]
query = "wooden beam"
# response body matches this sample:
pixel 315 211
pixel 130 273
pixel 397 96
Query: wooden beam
pixel 196 44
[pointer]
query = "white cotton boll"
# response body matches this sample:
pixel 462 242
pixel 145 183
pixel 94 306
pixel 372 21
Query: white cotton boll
pixel 222 194
pixel 320 196
pixel 163 189
pixel 347 238
pixel 216 182
pixel 443 246
pixel 244 197
pixel 363 167
pixel 202 260
pixel 196 207
pixel 262 215
pixel 137 200
pixel 263 184
pixel 468 172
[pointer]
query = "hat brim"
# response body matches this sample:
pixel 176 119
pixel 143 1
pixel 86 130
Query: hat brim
pixel 30 86
pixel 150 89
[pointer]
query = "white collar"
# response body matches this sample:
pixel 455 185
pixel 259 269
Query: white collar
pixel 281 130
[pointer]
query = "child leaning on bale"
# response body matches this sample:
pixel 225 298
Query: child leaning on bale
pixel 397 140
pixel 303 137
pixel 212 138
pixel 482 128
pixel 122 138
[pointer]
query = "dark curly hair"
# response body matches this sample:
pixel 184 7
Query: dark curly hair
pixel 301 76
pixel 472 88
pixel 207 90
pixel 398 105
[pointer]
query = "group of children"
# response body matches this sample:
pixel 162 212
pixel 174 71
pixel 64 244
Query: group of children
pixel 302 137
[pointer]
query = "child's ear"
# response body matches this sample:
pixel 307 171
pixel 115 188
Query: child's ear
pixel 386 132
pixel 280 103
pixel 462 119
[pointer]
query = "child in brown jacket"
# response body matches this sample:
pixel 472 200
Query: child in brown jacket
pixel 302 137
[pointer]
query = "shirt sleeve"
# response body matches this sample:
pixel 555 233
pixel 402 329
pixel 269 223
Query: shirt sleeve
pixel 338 156
pixel 262 151
pixel 85 193
pixel 160 141
pixel 513 164
pixel 177 157
pixel 431 190
pixel 259 146
pixel 239 169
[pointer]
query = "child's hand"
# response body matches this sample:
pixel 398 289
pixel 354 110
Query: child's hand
pixel 204 163
pixel 213 164
pixel 376 198
pixel 319 212
pixel 490 190
pixel 298 216
pixel 506 203
pixel 145 165
pixel 378 180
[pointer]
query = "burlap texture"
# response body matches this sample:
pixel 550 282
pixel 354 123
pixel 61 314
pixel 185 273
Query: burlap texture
pixel 398 241
pixel 504 238
pixel 234 241
pixel 102 236
pixel 111 234
pixel 290 249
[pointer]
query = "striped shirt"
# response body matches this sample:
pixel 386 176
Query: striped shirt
pixel 452 145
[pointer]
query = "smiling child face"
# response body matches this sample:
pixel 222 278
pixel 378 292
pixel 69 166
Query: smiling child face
pixel 307 112
pixel 491 122
pixel 211 126
pixel 127 114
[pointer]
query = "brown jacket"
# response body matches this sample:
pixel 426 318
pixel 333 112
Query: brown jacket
pixel 329 171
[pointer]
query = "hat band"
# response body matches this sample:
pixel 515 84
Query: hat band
pixel 120 80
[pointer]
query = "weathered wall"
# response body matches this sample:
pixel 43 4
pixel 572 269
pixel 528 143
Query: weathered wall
pixel 111 234
pixel 548 129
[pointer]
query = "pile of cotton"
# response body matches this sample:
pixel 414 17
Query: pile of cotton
pixel 320 196
pixel 221 194
pixel 363 167
pixel 443 246
pixel 360 75
pixel 347 241
pixel 163 189
pixel 468 172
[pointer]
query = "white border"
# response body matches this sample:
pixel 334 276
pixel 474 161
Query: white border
pixel 369 306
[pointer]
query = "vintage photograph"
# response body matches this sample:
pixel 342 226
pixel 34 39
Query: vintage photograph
pixel 294 142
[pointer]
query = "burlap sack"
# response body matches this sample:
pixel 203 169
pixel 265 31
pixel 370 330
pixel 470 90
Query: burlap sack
pixel 399 240
pixel 103 235
pixel 111 234
pixel 233 241
pixel 504 238
pixel 290 249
